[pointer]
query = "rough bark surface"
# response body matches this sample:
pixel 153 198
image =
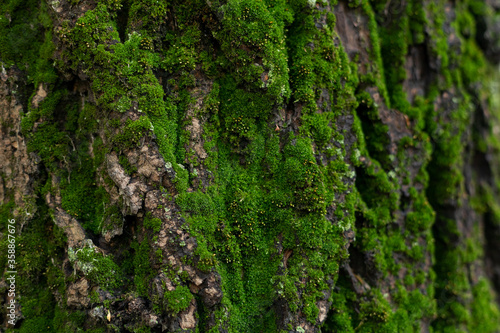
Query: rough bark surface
pixel 250 166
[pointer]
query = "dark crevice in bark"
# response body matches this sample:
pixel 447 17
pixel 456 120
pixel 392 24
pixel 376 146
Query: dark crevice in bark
pixel 367 187
pixel 118 243
pixel 122 20
pixel 492 252
pixel 419 76
pixel 362 264
pixel 488 31
pixel 484 179
pixel 375 133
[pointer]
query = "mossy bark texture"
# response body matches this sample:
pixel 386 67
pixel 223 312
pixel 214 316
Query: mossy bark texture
pixel 251 165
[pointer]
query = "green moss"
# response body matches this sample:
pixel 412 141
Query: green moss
pixel 129 168
pixel 178 299
pixel 6 214
pixel 111 219
pixel 484 314
pixel 83 199
pixel 26 39
pixel 245 117
pixel 153 223
pixel 48 141
pixel 446 170
pixel 254 199
pixel 132 133
pixel 38 276
pixel 252 30
pixel 141 266
pixel 181 178
pixel 342 316
pixel 377 74
pixel 39 316
pixel 422 217
pixel 65 321
pixel 97 267
pixel 143 329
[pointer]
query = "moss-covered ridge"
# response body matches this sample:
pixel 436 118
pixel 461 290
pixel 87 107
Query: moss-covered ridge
pixel 434 119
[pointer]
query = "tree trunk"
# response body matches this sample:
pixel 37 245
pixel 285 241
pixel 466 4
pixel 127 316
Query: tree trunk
pixel 250 166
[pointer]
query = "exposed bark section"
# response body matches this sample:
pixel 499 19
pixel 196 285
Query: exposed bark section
pixel 73 230
pixel 352 29
pixel 418 74
pixel 17 167
pixel 196 118
pixel 131 190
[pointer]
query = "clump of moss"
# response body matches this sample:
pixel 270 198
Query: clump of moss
pixel 178 299
pixel 26 39
pixel 132 133
pixel 152 223
pixel 141 266
pixel 97 267
pixel 252 38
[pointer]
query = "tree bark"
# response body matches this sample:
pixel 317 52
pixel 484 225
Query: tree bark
pixel 250 166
